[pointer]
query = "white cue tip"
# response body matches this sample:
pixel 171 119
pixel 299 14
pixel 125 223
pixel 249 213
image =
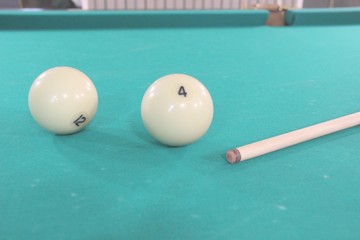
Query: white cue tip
pixel 233 156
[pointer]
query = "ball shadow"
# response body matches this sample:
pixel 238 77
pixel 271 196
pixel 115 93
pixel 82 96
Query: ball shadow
pixel 138 129
pixel 116 157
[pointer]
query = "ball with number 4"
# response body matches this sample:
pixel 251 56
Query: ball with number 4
pixel 177 110
pixel 63 100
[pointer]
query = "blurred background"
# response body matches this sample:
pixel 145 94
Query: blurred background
pixel 170 4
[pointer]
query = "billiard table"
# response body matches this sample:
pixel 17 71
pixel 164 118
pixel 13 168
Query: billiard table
pixel 114 181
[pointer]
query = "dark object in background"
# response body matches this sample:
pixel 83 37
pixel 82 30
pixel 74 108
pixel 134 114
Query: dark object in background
pixel 48 4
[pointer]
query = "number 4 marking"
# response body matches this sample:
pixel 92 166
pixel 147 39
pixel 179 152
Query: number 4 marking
pixel 182 91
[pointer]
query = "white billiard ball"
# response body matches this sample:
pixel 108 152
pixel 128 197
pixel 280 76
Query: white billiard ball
pixel 63 100
pixel 177 109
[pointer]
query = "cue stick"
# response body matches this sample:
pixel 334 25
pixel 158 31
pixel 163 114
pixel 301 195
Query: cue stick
pixel 291 138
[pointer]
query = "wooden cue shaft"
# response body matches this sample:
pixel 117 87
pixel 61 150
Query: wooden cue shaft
pixel 291 138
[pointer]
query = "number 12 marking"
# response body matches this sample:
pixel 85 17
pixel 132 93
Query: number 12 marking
pixel 182 91
pixel 80 120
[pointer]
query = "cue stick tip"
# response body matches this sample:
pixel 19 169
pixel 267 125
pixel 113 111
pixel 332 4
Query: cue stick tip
pixel 233 156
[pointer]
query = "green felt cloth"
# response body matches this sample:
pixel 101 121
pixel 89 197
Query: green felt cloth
pixel 323 16
pixel 114 181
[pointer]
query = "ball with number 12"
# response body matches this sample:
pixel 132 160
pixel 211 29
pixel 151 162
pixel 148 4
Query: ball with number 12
pixel 177 109
pixel 63 100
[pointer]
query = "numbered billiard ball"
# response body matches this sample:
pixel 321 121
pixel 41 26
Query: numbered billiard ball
pixel 63 100
pixel 177 110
